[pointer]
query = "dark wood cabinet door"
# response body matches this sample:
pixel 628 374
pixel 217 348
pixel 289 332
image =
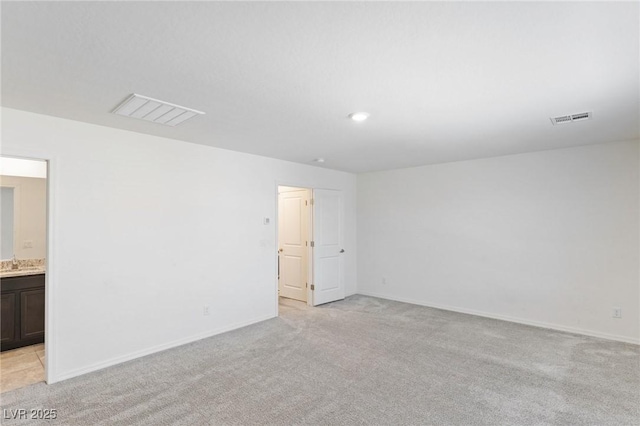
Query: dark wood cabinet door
pixel 22 311
pixel 32 314
pixel 8 317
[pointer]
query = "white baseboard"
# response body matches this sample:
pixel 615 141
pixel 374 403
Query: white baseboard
pixel 138 354
pixel 539 324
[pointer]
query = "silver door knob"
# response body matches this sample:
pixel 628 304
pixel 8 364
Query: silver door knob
pixel 342 251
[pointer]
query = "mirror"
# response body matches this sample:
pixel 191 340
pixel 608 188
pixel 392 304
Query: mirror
pixel 7 222
pixel 23 209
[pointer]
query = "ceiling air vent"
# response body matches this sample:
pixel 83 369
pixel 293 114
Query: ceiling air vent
pixel 138 106
pixel 570 118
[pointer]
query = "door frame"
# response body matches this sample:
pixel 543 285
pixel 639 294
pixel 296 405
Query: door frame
pixel 50 260
pixel 297 184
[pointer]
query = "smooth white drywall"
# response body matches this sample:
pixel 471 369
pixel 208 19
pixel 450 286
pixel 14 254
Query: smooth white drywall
pixel 547 238
pixel 148 230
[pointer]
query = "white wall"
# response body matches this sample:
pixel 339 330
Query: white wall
pixel 547 238
pixel 30 215
pixel 148 230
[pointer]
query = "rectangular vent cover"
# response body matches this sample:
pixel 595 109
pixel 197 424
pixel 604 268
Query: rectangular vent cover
pixel 570 118
pixel 138 106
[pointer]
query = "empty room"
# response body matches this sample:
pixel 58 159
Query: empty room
pixel 324 213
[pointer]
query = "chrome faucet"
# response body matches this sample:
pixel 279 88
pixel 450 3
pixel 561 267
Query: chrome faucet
pixel 14 263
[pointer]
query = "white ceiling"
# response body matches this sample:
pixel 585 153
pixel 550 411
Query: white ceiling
pixel 442 81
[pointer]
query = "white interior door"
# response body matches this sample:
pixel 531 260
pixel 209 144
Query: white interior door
pixel 293 241
pixel 328 252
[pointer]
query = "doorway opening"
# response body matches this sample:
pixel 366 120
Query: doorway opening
pixel 23 257
pixel 310 245
pixel 295 232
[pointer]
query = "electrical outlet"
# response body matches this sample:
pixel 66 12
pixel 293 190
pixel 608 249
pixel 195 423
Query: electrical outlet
pixel 616 313
pixel 205 310
pixel 27 244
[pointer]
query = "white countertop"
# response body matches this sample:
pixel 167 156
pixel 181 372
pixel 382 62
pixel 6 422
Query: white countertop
pixel 21 272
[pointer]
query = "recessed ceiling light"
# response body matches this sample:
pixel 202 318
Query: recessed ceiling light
pixel 319 160
pixel 359 116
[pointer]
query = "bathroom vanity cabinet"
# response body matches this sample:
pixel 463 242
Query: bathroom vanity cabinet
pixel 22 311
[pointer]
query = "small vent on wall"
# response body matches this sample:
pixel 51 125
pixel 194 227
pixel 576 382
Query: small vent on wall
pixel 138 106
pixel 570 118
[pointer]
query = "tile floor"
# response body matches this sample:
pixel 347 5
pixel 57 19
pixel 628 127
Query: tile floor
pixel 21 367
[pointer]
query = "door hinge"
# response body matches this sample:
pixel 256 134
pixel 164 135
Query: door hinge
pixel 313 287
pixel 313 244
pixel 306 203
pixel 306 285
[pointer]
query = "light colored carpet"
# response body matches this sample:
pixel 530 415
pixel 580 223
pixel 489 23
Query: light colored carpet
pixel 361 361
